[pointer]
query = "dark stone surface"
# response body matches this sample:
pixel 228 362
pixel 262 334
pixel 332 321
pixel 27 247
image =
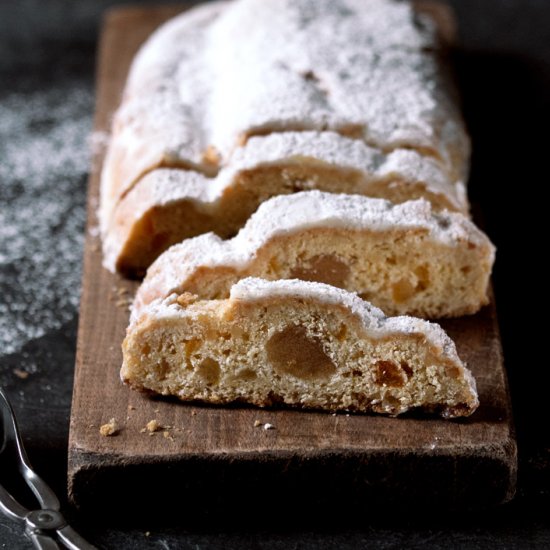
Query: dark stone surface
pixel 47 53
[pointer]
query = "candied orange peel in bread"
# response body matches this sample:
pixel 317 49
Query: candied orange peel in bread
pixel 295 343
pixel 204 102
pixel 405 258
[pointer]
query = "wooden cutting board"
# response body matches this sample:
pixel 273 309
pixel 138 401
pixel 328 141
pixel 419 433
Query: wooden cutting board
pixel 217 456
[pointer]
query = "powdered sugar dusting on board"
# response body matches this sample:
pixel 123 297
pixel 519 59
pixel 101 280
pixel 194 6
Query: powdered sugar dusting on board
pixel 44 152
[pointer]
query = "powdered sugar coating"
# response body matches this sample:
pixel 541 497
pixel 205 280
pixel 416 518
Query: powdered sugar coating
pixel 253 289
pixel 365 69
pixel 337 150
pixel 376 324
pixel 177 42
pixel 158 122
pixel 309 209
pixel 324 64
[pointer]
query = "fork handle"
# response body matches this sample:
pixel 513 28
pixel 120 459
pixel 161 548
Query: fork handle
pixel 43 542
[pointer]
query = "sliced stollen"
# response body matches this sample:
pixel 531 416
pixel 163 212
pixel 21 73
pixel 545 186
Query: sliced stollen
pixel 157 123
pixel 405 259
pixel 200 89
pixel 296 343
pixel 199 86
pixel 167 205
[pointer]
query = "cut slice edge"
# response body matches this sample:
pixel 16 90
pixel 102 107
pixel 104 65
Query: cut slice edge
pixel 150 216
pixel 296 343
pixel 404 258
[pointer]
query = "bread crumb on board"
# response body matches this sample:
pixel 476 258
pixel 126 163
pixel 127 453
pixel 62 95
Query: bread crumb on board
pixel 20 373
pixel 152 426
pixel 108 429
pixel 167 435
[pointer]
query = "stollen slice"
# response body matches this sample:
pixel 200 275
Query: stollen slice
pixel 295 343
pixel 405 259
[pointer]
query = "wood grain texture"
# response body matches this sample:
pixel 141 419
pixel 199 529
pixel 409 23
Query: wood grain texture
pixel 215 454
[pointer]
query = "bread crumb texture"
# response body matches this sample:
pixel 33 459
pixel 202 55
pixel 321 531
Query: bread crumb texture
pixel 296 343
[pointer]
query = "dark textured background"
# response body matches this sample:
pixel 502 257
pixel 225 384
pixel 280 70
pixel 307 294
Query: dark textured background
pixel 47 55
